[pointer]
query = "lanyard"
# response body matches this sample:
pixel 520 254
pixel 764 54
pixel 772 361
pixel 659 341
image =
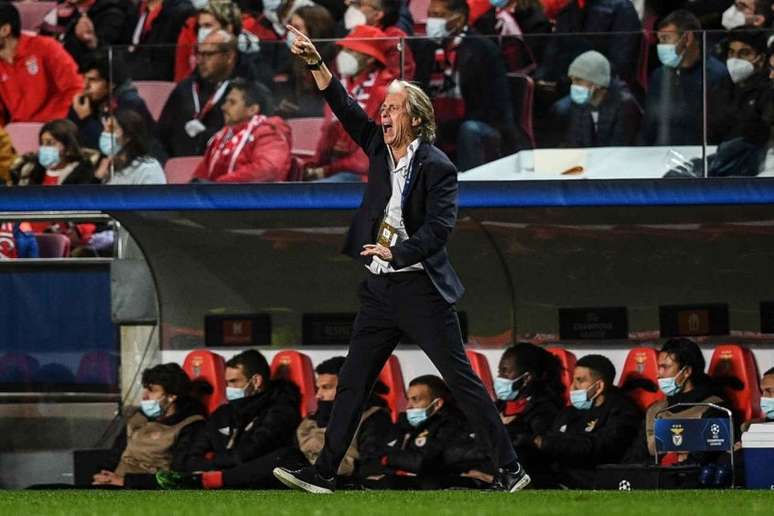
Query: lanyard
pixel 214 99
pixel 139 28
pixel 246 133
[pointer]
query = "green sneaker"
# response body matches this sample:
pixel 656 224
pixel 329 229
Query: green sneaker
pixel 170 480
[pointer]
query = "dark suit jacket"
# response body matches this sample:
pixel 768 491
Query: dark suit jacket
pixel 429 200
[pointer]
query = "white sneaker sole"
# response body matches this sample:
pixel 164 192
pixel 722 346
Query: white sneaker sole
pixel 521 484
pixel 297 484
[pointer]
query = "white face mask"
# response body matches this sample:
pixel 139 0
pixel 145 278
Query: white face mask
pixel 733 17
pixel 347 64
pixel 203 33
pixel 271 5
pixel 354 17
pixel 436 28
pixel 739 69
pixel 199 4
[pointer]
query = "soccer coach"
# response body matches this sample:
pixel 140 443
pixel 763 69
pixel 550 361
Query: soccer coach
pixel 400 233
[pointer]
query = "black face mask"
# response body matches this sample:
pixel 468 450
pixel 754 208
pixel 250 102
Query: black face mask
pixel 323 415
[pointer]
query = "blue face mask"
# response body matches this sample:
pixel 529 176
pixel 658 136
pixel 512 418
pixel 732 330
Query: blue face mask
pixel 667 54
pixel 505 388
pixel 580 94
pixel 48 156
pixel 669 386
pixel 498 3
pixel 108 144
pixel 767 406
pixel 234 393
pixel 580 398
pixel 151 408
pixel 417 416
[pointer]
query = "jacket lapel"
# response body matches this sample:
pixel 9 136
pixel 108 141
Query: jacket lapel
pixel 416 168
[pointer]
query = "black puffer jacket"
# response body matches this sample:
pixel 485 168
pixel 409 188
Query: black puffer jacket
pixel 245 429
pixel 741 110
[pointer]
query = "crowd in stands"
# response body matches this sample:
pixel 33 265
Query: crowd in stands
pixel 562 429
pixel 588 73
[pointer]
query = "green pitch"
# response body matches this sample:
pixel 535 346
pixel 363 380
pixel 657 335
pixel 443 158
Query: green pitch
pixel 440 503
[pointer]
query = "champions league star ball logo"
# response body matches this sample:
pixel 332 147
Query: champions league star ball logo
pixel 677 434
pixel 624 485
pixel 715 431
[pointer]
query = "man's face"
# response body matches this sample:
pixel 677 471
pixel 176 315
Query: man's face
pixel 207 21
pixel 747 7
pixel 767 386
pixel 671 35
pixel 153 392
pixel 5 33
pixel 95 87
pixel 668 367
pixel 213 60
pixel 235 110
pixel 326 386
pixel 396 122
pixel 507 368
pixel 739 50
pixel 584 378
pixel 583 82
pixel 419 397
pixel 235 377
pixel 439 9
pixel 371 9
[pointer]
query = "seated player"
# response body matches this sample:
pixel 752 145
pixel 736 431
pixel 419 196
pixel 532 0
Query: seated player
pixel 597 429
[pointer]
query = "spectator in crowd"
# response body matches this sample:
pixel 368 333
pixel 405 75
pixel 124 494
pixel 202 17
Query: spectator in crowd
pixel 216 15
pixel 674 102
pixel 530 394
pixel 254 146
pixel 82 26
pixel 107 89
pixel 7 156
pixel 597 429
pixel 601 111
pixel 192 113
pixel 465 76
pixel 297 94
pixel 375 430
pixel 152 30
pixel 355 15
pixel 511 20
pixel 682 379
pixel 126 144
pixel 610 27
pixel 747 13
pixel 159 436
pixel 59 160
pixel 740 107
pixel 385 15
pixel 767 401
pixel 38 78
pixel 361 63
pixel 434 448
pixel 255 427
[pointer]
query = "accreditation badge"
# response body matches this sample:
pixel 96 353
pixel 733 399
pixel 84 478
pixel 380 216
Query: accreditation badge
pixel 388 234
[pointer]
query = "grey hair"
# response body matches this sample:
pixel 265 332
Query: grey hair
pixel 418 105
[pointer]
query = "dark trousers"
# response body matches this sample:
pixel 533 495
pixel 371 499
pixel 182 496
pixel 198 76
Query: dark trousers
pixel 257 473
pixel 408 304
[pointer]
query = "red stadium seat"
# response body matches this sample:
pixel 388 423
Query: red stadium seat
pixel 155 95
pixel 568 360
pixel 639 377
pixel 24 136
pixel 418 10
pixel 734 367
pixel 480 365
pixel 306 134
pixel 98 367
pixel 53 245
pixel 17 367
pixel 297 367
pixel 179 171
pixel 392 377
pixel 33 12
pixel 210 367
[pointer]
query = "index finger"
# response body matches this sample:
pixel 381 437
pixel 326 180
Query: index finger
pixel 296 31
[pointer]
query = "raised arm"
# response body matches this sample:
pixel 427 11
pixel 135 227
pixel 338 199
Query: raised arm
pixel 356 122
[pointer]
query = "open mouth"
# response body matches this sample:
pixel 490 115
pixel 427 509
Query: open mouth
pixel 387 127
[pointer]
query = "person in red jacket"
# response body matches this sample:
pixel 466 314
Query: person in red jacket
pixel 362 63
pixel 253 147
pixel 38 78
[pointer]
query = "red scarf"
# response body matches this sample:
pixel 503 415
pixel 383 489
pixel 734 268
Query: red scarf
pixel 230 142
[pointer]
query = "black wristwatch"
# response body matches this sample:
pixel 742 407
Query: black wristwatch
pixel 315 66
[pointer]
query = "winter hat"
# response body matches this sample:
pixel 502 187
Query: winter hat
pixel 591 66
pixel 358 40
